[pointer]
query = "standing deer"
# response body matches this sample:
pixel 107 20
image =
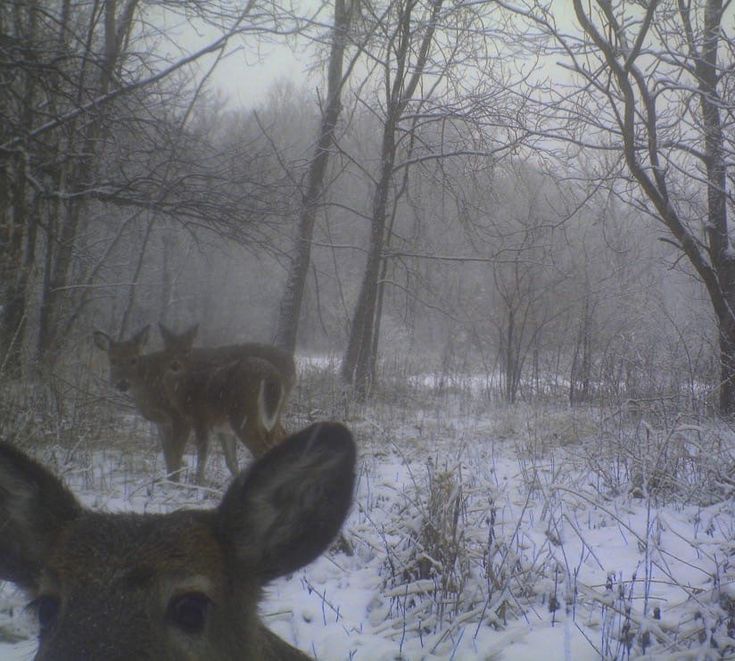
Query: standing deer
pixel 245 385
pixel 142 376
pixel 184 585
pixel 248 393
pixel 282 360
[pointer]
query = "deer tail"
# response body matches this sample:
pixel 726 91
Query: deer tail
pixel 270 402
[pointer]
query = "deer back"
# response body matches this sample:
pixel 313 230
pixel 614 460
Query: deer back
pixel 210 393
pixel 282 360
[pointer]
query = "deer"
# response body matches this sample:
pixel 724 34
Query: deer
pixel 246 385
pixel 142 376
pixel 246 392
pixel 182 585
pixel 181 343
pixel 177 403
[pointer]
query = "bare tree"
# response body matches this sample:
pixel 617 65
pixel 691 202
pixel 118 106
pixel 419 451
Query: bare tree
pixel 651 90
pixel 290 308
pixel 86 124
pixel 409 41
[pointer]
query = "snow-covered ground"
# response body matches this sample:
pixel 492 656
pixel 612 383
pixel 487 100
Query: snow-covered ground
pixel 501 535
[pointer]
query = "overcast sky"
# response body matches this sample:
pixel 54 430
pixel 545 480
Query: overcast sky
pixel 250 67
pixel 245 77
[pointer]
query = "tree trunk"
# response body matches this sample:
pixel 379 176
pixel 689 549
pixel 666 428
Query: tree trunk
pixel 18 241
pixel 358 363
pixel 19 220
pixel 717 226
pixel 293 295
pixel 55 296
pixel 60 248
pixel 727 366
pixel 579 381
pixel 510 369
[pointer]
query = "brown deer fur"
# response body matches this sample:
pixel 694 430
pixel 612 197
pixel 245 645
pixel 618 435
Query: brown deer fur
pixel 184 585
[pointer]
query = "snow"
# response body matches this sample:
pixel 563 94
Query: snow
pixel 22 651
pixel 542 550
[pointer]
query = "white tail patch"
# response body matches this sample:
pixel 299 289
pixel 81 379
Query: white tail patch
pixel 269 418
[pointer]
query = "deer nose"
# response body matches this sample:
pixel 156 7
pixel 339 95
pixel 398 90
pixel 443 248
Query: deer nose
pixel 122 385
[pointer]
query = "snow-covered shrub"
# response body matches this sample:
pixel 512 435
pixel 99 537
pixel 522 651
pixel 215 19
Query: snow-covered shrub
pixel 688 462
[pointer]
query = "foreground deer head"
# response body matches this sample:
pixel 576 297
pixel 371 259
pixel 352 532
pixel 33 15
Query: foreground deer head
pixel 184 585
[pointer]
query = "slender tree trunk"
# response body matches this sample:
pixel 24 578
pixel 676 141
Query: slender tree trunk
pixel 727 366
pixel 358 363
pixel 55 295
pixel 167 281
pixel 293 295
pixel 18 219
pixel 717 225
pixel 130 304
pixel 55 303
pixel 18 240
pixel 579 381
pixel 358 357
pixel 369 373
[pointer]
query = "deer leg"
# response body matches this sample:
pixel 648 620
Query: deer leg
pixel 279 432
pixel 174 435
pixel 227 442
pixel 249 433
pixel 202 441
pixel 169 436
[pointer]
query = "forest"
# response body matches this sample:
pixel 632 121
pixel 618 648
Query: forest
pixel 494 234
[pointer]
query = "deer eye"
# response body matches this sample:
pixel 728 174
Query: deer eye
pixel 133 361
pixel 47 610
pixel 188 612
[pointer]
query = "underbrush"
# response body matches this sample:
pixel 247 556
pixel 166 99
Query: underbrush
pixel 474 523
pixel 554 521
pixel 61 408
pixel 690 461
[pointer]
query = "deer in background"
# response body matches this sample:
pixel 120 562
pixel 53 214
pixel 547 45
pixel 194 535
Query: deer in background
pixel 280 359
pixel 184 585
pixel 256 378
pixel 246 385
pixel 142 376
pixel 246 392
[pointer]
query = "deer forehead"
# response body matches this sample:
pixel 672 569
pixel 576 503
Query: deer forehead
pixel 129 552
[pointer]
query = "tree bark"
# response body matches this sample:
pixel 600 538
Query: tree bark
pixel 19 212
pixel 117 27
pixel 293 295
pixel 358 363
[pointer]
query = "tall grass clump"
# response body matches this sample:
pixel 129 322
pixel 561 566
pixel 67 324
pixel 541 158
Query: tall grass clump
pixel 669 460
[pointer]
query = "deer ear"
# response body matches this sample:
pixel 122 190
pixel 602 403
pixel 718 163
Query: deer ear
pixel 34 507
pixel 101 340
pixel 285 510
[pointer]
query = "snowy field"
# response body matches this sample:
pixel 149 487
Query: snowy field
pixel 482 532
